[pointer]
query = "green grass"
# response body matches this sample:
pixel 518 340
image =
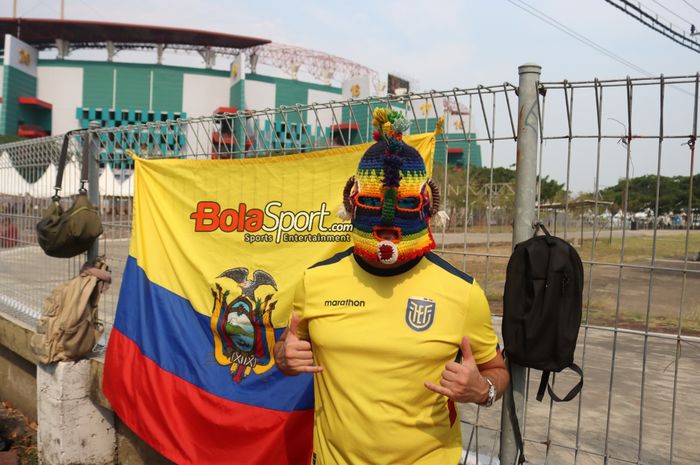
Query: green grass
pixel 640 248
pixel 497 228
pixel 637 249
pixel 605 315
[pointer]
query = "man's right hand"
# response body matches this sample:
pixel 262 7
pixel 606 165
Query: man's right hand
pixel 293 355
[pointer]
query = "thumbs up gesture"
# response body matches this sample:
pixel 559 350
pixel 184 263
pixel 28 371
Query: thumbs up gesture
pixel 293 355
pixel 462 382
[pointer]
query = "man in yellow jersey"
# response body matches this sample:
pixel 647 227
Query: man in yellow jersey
pixel 393 333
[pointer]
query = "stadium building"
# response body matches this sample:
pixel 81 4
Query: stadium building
pixel 44 96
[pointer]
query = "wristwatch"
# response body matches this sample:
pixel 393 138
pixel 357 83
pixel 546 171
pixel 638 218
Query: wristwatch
pixel 491 394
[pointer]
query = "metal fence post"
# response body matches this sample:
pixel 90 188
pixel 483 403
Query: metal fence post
pixel 90 155
pixel 525 196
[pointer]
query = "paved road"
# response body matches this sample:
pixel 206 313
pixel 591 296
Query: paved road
pixel 655 419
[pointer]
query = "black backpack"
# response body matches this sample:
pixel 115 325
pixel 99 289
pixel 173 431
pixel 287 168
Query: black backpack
pixel 542 311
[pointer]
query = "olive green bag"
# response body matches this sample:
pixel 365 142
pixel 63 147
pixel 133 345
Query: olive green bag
pixel 68 233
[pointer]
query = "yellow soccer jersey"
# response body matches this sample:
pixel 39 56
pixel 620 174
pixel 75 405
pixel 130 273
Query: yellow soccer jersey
pixel 378 337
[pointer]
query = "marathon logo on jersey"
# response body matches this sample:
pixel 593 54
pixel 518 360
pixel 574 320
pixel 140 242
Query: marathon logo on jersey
pixel 420 313
pixel 344 303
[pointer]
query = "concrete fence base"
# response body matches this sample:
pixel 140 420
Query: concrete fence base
pixel 73 429
pixel 76 423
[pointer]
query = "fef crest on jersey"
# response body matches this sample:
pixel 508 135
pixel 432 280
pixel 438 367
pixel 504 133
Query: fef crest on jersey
pixel 242 328
pixel 420 313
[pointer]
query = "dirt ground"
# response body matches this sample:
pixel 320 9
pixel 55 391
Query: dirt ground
pixel 662 300
pixel 17 437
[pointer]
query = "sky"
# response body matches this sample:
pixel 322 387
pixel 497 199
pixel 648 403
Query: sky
pixel 456 43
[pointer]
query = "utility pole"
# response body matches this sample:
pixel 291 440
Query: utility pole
pixel 91 151
pixel 525 214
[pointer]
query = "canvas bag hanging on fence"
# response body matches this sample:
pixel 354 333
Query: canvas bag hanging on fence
pixel 68 233
pixel 69 327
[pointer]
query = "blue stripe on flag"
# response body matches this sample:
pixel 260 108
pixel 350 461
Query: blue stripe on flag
pixel 176 337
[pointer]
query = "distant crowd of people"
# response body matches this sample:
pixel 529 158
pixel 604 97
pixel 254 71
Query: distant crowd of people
pixel 9 230
pixel 9 233
pixel 673 220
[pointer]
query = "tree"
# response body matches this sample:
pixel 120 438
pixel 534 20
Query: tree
pixel 673 193
pixel 550 190
pixel 490 191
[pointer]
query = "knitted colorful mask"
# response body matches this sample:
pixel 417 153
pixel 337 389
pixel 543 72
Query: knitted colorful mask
pixel 389 197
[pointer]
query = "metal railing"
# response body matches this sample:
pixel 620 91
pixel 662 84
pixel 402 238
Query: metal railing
pixel 593 142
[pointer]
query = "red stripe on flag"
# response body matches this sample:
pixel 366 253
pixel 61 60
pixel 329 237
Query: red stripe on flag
pixel 453 412
pixel 214 431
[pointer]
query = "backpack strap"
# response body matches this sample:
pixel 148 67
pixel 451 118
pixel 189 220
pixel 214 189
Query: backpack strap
pixel 62 164
pixel 514 423
pixel 544 382
pixel 537 225
pixel 84 170
pixel 574 391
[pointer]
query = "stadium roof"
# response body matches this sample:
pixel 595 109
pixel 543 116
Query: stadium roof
pixel 43 33
pixel 68 35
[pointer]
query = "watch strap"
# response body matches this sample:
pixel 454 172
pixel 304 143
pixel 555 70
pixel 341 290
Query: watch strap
pixel 491 393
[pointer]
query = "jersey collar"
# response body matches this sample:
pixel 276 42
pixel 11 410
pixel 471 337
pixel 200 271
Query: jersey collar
pixel 369 268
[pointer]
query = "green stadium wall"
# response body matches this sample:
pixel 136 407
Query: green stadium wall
pixel 16 84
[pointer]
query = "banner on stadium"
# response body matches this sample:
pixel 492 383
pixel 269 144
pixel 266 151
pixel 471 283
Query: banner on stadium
pixel 217 248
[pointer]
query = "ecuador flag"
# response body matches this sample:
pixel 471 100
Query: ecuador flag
pixel 217 248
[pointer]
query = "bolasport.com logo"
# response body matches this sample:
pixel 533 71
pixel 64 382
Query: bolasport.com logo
pixel 271 224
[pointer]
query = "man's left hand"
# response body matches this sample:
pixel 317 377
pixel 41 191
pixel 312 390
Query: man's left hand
pixel 462 382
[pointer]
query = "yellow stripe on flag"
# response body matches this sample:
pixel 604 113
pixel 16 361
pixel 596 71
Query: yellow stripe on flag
pixel 258 202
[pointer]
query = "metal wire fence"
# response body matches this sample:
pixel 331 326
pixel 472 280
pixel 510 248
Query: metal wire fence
pixel 614 157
